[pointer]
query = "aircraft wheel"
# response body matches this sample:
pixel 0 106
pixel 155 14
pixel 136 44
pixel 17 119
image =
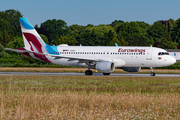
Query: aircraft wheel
pixel 88 72
pixel 152 74
pixel 106 73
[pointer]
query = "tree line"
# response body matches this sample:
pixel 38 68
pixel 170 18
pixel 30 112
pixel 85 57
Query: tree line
pixel 162 33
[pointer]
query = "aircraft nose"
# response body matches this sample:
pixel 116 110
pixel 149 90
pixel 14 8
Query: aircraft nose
pixel 172 60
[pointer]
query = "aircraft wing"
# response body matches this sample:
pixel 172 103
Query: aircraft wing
pixel 81 59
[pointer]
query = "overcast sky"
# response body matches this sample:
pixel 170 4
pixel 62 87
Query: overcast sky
pixel 83 12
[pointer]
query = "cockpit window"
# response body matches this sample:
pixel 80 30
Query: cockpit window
pixel 163 53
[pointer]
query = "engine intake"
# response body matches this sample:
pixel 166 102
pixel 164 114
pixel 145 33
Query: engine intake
pixel 105 67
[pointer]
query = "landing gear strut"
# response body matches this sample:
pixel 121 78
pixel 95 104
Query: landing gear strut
pixel 88 72
pixel 152 72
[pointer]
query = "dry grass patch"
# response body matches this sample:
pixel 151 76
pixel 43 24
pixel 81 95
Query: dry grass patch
pixel 68 105
pixel 89 97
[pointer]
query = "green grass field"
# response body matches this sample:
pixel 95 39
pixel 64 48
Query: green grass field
pixel 89 97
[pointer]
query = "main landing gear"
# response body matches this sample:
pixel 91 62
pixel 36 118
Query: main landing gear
pixel 106 73
pixel 88 72
pixel 152 72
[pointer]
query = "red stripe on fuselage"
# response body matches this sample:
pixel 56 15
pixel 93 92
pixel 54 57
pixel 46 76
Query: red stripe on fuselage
pixel 41 57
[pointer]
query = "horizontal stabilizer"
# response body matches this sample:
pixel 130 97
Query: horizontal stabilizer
pixel 24 51
pixel 16 50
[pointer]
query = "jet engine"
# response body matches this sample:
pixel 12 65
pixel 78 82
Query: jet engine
pixel 105 67
pixel 132 69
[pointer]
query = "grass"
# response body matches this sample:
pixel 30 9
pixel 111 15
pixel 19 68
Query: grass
pixel 89 97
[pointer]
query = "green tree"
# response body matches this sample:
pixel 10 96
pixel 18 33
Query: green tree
pixel 55 28
pixel 175 33
pixel 6 32
pixel 166 42
pixel 2 52
pixel 135 33
pixel 113 41
pixel 97 35
pixel 75 30
pixel 44 38
pixel 122 41
pixel 157 32
pixel 4 38
pixel 115 24
pixel 65 40
pixel 16 43
pixel 109 37
pixel 12 16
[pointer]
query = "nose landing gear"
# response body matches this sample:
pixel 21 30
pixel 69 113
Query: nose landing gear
pixel 152 72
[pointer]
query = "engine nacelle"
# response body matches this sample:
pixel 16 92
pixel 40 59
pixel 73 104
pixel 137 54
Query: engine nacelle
pixel 105 67
pixel 132 69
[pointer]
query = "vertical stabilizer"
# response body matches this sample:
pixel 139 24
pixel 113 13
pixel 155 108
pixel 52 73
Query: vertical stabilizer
pixel 32 39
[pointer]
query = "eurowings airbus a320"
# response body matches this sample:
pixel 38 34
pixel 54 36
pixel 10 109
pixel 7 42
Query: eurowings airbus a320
pixel 102 58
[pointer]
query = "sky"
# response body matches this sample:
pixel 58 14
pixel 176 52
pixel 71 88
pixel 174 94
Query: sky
pixel 83 12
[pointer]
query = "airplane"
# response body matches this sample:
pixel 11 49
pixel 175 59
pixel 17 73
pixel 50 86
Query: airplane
pixel 102 58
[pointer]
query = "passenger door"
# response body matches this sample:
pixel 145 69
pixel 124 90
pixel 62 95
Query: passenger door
pixel 149 54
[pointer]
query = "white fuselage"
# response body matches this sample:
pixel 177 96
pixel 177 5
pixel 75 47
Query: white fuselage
pixel 132 56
